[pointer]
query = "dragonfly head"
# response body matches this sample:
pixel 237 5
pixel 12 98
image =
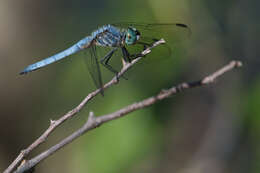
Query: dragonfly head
pixel 132 36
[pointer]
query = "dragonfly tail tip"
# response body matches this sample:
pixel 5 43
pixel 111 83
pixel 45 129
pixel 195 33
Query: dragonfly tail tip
pixel 23 72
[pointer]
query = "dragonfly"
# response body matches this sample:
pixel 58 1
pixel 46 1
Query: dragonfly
pixel 117 37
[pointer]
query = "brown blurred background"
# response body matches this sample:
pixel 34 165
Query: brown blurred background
pixel 211 129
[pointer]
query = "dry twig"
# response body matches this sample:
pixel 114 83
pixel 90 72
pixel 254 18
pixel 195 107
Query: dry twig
pixel 55 123
pixel 94 122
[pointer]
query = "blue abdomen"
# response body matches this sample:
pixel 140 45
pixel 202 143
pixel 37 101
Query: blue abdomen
pixel 84 43
pixel 107 35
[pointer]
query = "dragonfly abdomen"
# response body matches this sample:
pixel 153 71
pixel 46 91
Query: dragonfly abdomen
pixel 84 43
pixel 107 35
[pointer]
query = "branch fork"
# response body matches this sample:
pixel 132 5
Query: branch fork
pixel 93 121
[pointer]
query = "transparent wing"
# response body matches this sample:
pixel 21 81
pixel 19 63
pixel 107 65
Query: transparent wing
pixel 173 33
pixel 92 63
pixel 152 31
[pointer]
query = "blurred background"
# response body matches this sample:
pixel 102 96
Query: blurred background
pixel 209 129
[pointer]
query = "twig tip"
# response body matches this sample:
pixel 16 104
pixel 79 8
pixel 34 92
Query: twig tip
pixel 237 63
pixel 52 121
pixel 91 114
pixel 91 118
pixel 124 63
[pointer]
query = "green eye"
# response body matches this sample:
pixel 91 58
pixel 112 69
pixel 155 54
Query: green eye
pixel 132 35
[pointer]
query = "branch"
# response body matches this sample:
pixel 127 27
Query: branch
pixel 94 122
pixel 55 123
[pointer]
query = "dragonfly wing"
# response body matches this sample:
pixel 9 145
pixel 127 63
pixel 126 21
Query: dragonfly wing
pixel 92 63
pixel 158 30
pixel 173 33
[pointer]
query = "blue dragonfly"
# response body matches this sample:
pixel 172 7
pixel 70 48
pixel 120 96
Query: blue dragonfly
pixel 115 37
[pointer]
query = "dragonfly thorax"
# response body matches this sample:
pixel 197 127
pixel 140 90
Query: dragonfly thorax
pixel 132 35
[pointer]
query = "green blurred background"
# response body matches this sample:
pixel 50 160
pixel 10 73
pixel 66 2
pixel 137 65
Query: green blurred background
pixel 211 129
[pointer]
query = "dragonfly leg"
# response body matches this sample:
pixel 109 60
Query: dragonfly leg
pixel 104 61
pixel 134 56
pixel 126 55
pixel 146 45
